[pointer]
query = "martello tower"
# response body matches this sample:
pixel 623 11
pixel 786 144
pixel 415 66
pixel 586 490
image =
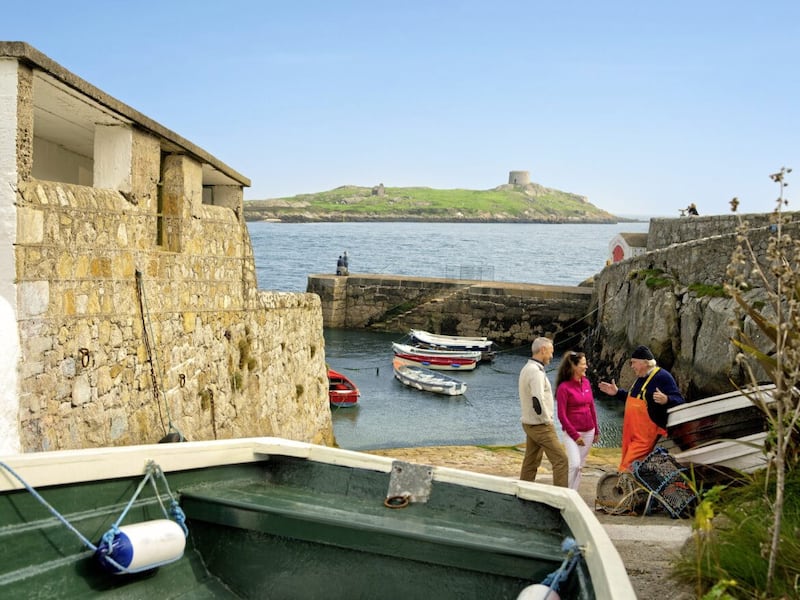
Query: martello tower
pixel 519 177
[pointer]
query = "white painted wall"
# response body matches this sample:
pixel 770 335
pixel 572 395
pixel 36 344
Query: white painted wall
pixel 52 162
pixel 9 332
pixel 113 151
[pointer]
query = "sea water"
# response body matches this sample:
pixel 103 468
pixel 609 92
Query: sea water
pixel 390 414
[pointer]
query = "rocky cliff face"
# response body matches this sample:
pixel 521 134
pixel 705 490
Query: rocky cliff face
pixel 671 299
pixel 689 334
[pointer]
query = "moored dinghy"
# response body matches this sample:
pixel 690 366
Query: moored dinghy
pixel 341 390
pixel 425 339
pixel 412 375
pixel 399 348
pixel 268 517
pixel 440 363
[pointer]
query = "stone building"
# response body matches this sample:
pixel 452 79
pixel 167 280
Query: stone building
pixel 129 304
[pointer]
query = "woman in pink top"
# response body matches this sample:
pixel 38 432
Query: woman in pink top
pixel 576 412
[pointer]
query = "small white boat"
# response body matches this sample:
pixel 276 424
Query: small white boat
pixel 413 375
pixel 744 454
pixel 727 430
pixel 452 342
pixel 417 351
pixel 427 340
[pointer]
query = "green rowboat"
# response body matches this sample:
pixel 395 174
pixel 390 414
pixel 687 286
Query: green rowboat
pixel 272 518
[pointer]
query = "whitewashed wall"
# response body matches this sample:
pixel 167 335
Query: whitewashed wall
pixel 9 339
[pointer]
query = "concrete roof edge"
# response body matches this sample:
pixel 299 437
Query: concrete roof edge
pixel 30 55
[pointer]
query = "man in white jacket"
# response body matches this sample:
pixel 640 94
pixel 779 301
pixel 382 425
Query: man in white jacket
pixel 536 402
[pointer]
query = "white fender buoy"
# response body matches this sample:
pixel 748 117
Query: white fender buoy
pixel 538 591
pixel 142 546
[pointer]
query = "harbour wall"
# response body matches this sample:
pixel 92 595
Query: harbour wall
pixel 511 314
pixel 663 233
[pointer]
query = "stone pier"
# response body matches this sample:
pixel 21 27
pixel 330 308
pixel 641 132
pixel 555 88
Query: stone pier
pixel 508 313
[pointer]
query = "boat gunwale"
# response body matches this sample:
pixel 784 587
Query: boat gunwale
pixel 63 467
pixel 696 409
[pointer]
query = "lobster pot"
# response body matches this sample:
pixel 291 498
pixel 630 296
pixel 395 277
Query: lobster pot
pixel 143 546
pixel 664 478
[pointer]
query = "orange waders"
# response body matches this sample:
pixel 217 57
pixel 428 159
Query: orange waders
pixel 639 433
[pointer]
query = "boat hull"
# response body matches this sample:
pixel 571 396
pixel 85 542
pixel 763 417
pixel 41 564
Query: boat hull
pixel 271 517
pixel 341 391
pixel 451 341
pixel 419 351
pixel 412 375
pixel 726 431
pixel 425 339
pixel 440 363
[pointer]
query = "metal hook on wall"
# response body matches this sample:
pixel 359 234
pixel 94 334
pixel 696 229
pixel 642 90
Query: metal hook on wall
pixel 85 357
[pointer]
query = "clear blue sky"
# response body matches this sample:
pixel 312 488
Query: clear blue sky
pixel 642 107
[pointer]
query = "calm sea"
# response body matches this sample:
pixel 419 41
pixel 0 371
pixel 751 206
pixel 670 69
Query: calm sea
pixel 390 414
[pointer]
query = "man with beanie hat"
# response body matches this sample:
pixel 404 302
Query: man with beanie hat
pixel 646 404
pixel 538 409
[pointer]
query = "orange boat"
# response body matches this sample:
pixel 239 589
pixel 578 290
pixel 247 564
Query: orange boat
pixel 341 391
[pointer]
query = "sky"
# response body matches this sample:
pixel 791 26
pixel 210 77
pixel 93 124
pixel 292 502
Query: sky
pixel 642 107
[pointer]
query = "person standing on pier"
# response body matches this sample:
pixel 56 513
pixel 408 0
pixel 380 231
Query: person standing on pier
pixel 536 402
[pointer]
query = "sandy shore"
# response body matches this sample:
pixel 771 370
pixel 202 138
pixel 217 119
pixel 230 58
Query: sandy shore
pixel 647 544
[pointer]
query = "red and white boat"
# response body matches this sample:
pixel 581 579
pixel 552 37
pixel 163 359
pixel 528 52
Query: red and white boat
pixel 406 349
pixel 440 363
pixel 341 391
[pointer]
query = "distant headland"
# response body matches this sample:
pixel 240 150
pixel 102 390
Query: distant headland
pixel 518 201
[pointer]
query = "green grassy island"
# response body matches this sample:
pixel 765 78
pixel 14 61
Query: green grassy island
pixel 531 203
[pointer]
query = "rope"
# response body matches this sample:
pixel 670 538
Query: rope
pixel 175 512
pixel 147 327
pixel 559 576
pixel 47 505
pixel 152 470
pixel 618 494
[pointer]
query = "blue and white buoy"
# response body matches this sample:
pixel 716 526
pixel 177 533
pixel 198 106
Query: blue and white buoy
pixel 141 546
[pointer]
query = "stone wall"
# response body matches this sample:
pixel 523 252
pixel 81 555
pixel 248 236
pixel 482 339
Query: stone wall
pixel 699 249
pixel 127 276
pixel 123 337
pixel 510 314
pixel 666 232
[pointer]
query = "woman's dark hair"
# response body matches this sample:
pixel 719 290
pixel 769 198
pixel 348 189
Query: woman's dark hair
pixel 569 361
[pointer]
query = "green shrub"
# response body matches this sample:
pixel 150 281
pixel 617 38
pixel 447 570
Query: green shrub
pixel 713 291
